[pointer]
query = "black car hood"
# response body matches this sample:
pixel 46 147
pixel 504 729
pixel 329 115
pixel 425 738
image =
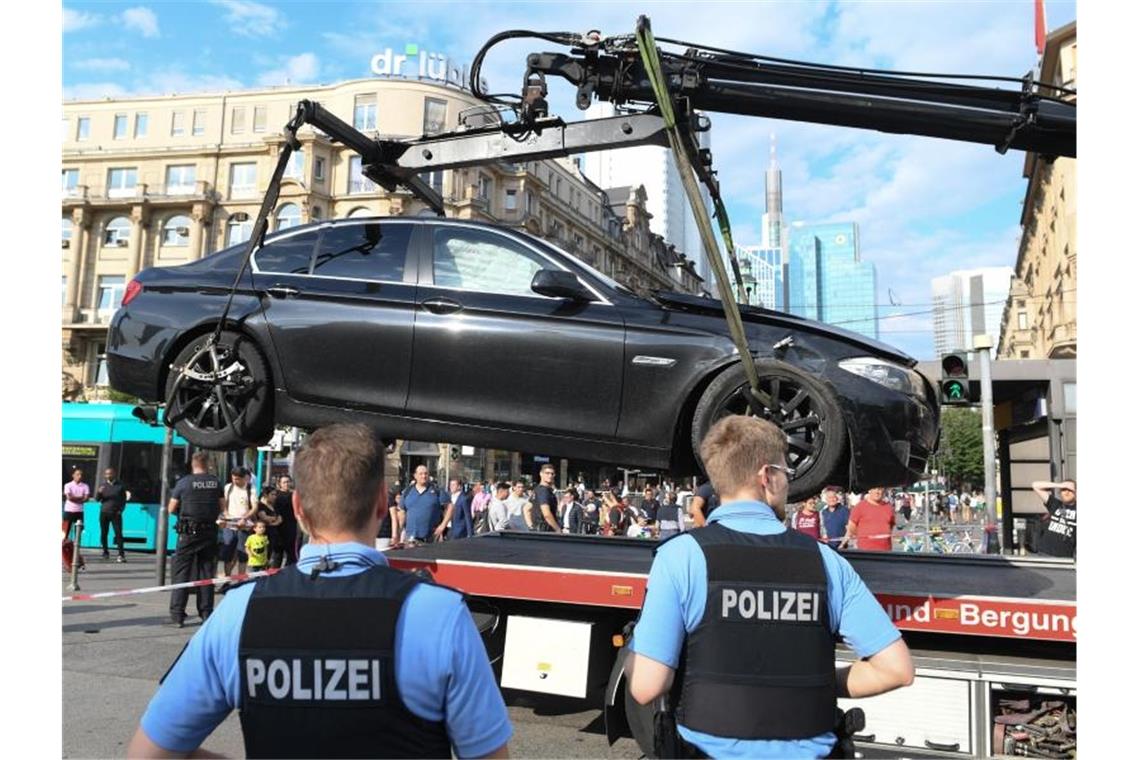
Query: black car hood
pixel 714 307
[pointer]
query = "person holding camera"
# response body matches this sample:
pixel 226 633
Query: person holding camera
pixel 198 504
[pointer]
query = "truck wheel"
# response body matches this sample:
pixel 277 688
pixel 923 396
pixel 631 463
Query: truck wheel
pixel 234 412
pixel 796 402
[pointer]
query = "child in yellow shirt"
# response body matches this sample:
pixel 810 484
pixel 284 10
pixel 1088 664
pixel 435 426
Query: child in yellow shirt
pixel 257 547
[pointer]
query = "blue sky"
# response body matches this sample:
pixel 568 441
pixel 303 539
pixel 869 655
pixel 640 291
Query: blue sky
pixel 924 206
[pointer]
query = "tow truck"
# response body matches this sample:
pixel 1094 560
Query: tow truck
pixel 989 634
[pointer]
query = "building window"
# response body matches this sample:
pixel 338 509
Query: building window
pixel 296 166
pixel 70 181
pixel 142 122
pixel 259 118
pixel 121 182
pixel 1024 354
pixel 484 186
pixel 529 198
pixel 1022 321
pixel 237 120
pixel 238 231
pixel 63 298
pixel 180 179
pixel 357 182
pixel 83 128
pixel 118 231
pixel 435 180
pixel 512 200
pixel 68 228
pixel 110 296
pixel 288 216
pixel 364 112
pixel 177 123
pixel 120 126
pixel 316 213
pixel 176 232
pixel 435 116
pixel 318 169
pixel 243 180
pixel 199 122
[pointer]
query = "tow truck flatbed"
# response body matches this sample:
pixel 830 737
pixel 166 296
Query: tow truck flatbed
pixel 1023 598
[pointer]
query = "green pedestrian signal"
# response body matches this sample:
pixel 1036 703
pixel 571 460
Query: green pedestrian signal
pixel 955 384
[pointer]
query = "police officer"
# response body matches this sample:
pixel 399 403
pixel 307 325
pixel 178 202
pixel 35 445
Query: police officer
pixel 340 655
pixel 198 504
pixel 755 609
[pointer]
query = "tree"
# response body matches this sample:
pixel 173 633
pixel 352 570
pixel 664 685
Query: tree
pixel 961 452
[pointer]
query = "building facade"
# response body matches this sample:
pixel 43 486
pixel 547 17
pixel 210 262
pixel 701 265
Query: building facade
pixel 967 303
pixel 165 180
pixel 762 271
pixel 1039 320
pixel 827 278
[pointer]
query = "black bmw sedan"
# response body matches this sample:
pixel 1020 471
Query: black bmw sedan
pixel 447 330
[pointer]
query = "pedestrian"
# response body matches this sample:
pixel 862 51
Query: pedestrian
pixel 480 500
pixel 835 515
pixel 570 512
pixel 670 517
pixel 113 497
pixel 75 495
pixel 1058 536
pixel 240 509
pixel 498 513
pixel 870 523
pixel 459 511
pixel 290 537
pixel 591 513
pixel 807 519
pixel 423 505
pixel 907 507
pixel 703 504
pixel 516 505
pixel 541 515
pixel 198 504
pixel 759 676
pixel 257 547
pixel 614 518
pixel 342 657
pixel 650 505
pixel 267 513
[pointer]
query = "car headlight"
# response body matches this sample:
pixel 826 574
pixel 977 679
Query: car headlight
pixel 888 374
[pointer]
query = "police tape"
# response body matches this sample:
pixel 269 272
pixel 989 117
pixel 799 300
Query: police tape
pixel 188 584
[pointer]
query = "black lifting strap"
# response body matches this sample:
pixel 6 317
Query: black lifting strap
pixel 257 239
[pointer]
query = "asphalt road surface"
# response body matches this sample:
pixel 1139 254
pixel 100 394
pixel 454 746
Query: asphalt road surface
pixel 116 650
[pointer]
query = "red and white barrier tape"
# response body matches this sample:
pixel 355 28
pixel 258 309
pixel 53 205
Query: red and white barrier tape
pixel 189 584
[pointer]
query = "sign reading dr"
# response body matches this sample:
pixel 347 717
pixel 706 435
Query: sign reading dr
pixel 422 64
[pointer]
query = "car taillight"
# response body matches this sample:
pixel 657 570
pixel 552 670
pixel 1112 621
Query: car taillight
pixel 134 287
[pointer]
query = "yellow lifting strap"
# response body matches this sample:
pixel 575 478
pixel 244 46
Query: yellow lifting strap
pixel 652 62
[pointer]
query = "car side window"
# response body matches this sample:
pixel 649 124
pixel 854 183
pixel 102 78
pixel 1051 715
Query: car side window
pixel 371 251
pixel 482 261
pixel 289 256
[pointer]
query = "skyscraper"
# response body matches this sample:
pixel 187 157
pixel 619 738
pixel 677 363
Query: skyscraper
pixel 827 278
pixel 968 302
pixel 773 228
pixel 763 275
pixel 653 166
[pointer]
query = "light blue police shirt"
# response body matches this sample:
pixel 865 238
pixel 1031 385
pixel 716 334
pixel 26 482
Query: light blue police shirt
pixel 675 603
pixel 440 660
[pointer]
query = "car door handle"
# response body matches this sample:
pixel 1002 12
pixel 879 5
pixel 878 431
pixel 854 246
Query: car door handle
pixel 282 291
pixel 442 305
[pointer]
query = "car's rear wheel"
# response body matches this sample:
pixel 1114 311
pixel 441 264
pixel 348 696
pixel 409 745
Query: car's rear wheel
pixel 794 401
pixel 222 403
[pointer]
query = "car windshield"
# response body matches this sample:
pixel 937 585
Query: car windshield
pixel 607 281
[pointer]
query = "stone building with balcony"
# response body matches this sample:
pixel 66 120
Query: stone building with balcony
pixel 1040 316
pixel 159 181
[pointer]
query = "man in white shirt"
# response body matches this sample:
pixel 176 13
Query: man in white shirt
pixel 241 506
pixel 516 504
pixel 498 513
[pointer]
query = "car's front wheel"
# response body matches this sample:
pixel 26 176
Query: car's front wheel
pixel 795 402
pixel 221 399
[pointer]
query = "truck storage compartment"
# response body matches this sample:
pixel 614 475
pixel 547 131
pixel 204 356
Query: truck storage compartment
pixel 931 714
pixel 1028 721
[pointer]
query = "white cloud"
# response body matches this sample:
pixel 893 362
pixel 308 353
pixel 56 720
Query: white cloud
pixel 158 82
pixel 250 19
pixel 102 64
pixel 94 91
pixel 299 69
pixel 74 20
pixel 142 20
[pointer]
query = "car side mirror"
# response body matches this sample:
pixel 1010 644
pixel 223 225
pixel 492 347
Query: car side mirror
pixel 557 283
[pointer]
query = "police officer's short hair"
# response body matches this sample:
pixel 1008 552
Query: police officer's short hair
pixel 339 471
pixel 735 449
pixel 200 458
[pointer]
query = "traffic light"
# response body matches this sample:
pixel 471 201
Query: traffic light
pixel 955 384
pixel 455 451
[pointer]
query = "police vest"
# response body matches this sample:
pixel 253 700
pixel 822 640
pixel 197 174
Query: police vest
pixel 317 669
pixel 761 662
pixel 199 499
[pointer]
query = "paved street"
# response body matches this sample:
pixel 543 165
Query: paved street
pixel 115 651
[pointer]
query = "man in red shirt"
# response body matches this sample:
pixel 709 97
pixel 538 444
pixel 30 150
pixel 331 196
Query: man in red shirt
pixel 870 523
pixel 806 519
